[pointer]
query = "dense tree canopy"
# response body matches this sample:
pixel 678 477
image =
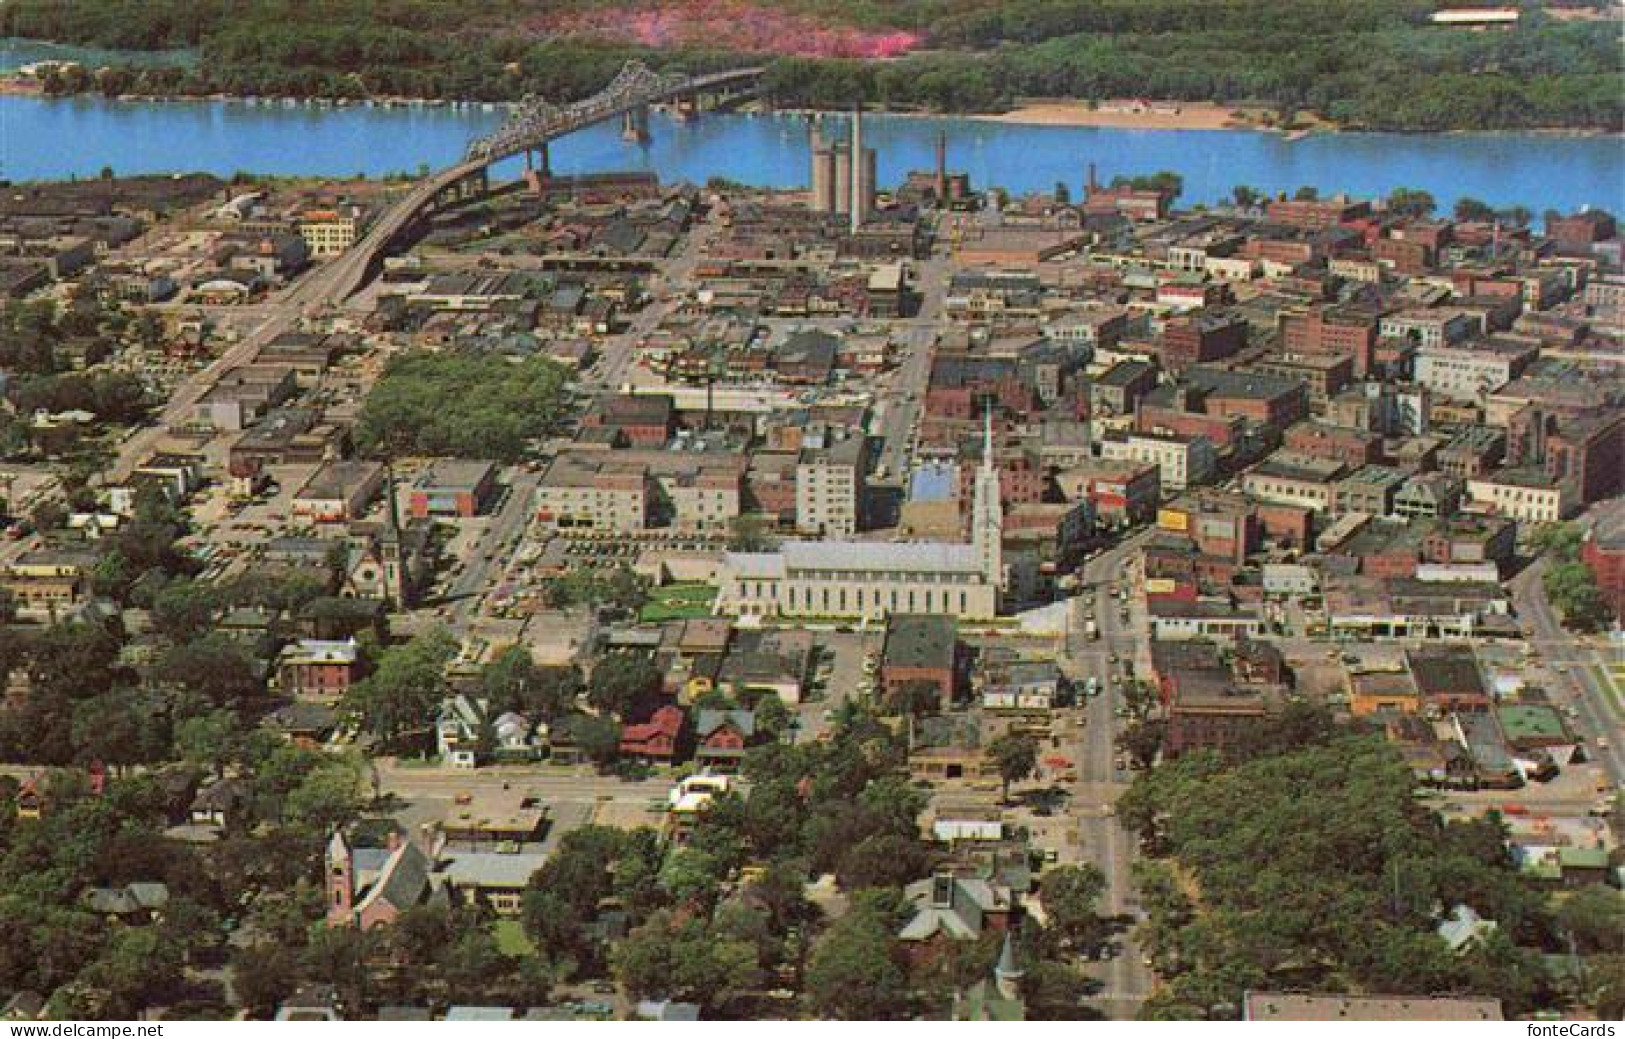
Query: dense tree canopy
pixel 1365 62
pixel 466 406
pixel 1316 868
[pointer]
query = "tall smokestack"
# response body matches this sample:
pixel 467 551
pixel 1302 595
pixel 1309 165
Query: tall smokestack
pixel 857 166
pixel 942 167
pixel 1091 186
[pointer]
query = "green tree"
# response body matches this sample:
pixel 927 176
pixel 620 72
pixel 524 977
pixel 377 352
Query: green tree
pixel 328 796
pixel 1469 209
pixel 599 737
pixel 1141 740
pixel 184 609
pixel 854 972
pixel 773 718
pixel 467 405
pixel 1165 181
pixel 1016 757
pixel 1410 202
pixel 1071 896
pixel 263 975
pixel 623 683
pixel 1561 541
pixel 1595 916
pixel 1572 588
pixel 472 963
pixel 682 958
pixel 212 739
pixel 751 532
pixel 885 860
pixel 401 696
pixel 216 667
pixel 692 877
pixel 512 681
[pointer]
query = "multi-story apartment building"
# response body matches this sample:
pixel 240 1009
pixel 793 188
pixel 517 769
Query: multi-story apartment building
pixel 331 231
pixel 1180 461
pixel 1525 495
pixel 1288 478
pixel 1429 327
pixel 829 485
pixel 1471 372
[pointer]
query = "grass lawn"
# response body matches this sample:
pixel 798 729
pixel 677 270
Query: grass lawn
pixel 427 761
pixel 679 602
pixel 511 938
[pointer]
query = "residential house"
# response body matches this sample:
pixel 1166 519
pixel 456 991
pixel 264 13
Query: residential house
pixel 948 909
pixel 721 738
pixel 656 741
pixel 318 669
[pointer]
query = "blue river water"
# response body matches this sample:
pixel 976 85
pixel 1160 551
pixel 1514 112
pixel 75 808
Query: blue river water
pixel 51 138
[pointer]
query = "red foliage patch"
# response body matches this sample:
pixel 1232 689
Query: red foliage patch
pixel 732 25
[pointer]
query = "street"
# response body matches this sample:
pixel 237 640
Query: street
pixel 1578 684
pixel 1125 979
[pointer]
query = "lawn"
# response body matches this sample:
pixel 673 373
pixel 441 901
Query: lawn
pixel 511 938
pixel 679 602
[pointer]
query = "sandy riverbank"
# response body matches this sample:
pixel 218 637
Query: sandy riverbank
pixel 1183 115
pixel 1191 116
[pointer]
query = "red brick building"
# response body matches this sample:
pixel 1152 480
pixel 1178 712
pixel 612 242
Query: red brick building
pixel 1257 396
pixel 1342 443
pixel 1201 336
pixel 1208 706
pixel 1590 452
pixel 1317 214
pixel 645 419
pixel 655 740
pixel 1402 255
pixel 1164 419
pixel 1331 330
pixel 1586 228
pixel 318 669
pixel 1287 524
pixel 920 649
pixel 1604 552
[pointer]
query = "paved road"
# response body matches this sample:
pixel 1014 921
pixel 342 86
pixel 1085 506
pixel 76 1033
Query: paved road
pixel 1125 978
pixel 1579 686
pixel 905 401
pixel 672 279
pixel 320 288
pixel 491 555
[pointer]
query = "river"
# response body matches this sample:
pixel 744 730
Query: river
pixel 50 138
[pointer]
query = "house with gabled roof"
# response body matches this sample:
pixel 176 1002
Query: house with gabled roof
pixel 721 738
pixel 948 908
pixel 655 741
pixel 371 883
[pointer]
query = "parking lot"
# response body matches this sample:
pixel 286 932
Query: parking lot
pixel 839 676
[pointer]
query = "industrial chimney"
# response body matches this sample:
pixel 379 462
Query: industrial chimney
pixel 858 198
pixel 942 167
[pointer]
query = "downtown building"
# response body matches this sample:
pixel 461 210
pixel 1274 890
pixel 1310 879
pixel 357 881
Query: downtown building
pixel 876 579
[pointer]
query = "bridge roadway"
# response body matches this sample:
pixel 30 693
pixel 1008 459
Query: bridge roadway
pixel 323 287
pixel 340 278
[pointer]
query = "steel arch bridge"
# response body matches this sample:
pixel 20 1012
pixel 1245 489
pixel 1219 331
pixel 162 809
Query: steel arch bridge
pixel 634 87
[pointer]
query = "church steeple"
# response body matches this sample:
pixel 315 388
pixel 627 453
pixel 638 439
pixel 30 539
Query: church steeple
pixel 391 546
pixel 1008 974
